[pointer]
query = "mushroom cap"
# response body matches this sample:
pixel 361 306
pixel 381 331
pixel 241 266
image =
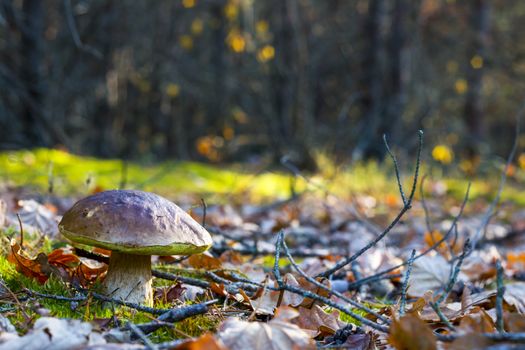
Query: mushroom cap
pixel 134 222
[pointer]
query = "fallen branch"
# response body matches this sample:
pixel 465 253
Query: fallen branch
pixel 406 207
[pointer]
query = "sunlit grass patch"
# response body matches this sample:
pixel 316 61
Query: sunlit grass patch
pixel 68 174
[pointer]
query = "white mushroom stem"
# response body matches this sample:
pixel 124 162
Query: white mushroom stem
pixel 129 278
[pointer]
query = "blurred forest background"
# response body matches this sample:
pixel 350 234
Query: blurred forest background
pixel 245 80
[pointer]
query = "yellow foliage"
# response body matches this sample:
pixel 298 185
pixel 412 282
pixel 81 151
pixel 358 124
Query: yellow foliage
pixel 236 41
pixel 231 11
pixel 188 3
pixel 261 27
pixel 266 53
pixel 228 133
pixel 208 146
pixel 186 42
pixel 476 62
pixel 197 26
pixel 172 90
pixel 204 145
pixel 469 166
pixel 443 154
pixel 521 161
pixel 461 86
pixel 239 115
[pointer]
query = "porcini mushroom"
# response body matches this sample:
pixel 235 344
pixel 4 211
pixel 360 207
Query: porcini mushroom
pixel 134 225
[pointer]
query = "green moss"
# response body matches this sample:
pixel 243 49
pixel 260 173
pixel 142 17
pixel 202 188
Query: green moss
pixel 90 309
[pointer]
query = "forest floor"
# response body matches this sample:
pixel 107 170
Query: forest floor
pixel 347 258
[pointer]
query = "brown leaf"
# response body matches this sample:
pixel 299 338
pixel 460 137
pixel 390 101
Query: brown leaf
pixel 204 261
pixel 278 334
pixel 432 238
pixel 411 333
pixel 25 265
pixel 88 272
pixel 267 300
pixel 514 322
pixel 304 284
pixel 206 341
pixel 317 321
pixel 477 321
pixel 358 341
pixel 169 294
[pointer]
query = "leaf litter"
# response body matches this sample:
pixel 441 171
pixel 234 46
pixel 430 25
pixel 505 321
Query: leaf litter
pixel 312 271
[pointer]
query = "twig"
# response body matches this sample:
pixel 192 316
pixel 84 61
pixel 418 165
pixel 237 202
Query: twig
pixel 307 294
pixel 21 231
pixel 276 271
pixel 454 276
pixel 379 275
pixel 405 283
pixel 496 337
pixel 499 297
pixel 441 316
pixel 55 297
pixel 396 168
pixel 424 204
pixel 334 292
pixel 304 253
pixel 176 315
pixel 140 334
pixel 187 280
pixel 342 263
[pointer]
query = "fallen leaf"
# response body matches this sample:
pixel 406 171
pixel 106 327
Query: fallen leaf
pixel 278 334
pixel 477 321
pixel 38 216
pixel 25 265
pixel 57 334
pixel 266 303
pixel 204 261
pixel 428 273
pixel 411 333
pixel 206 341
pixel 168 294
pixel 317 321
pixel 515 295
pixel 514 322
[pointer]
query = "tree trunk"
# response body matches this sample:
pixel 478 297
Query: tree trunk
pixel 474 116
pixel 369 143
pixel 31 52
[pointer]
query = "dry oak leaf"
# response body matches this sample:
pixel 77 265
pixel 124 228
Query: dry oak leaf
pixel 316 321
pixel 411 333
pixel 278 334
pixel 25 265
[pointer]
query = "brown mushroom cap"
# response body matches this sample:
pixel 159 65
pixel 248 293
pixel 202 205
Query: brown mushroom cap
pixel 134 222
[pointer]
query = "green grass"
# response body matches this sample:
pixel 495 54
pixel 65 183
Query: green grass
pixel 78 175
pixel 72 174
pixel 88 310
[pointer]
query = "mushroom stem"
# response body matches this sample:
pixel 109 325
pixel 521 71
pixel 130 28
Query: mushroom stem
pixel 129 278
